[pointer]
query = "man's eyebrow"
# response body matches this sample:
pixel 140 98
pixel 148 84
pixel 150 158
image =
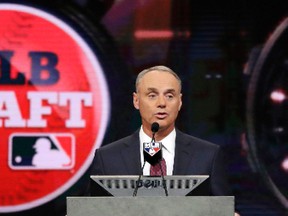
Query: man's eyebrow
pixel 170 91
pixel 152 89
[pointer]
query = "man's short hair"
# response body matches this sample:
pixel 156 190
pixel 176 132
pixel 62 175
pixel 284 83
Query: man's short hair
pixel 157 68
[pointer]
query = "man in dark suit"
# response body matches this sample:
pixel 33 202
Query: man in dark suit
pixel 158 98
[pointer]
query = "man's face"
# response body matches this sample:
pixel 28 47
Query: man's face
pixel 158 99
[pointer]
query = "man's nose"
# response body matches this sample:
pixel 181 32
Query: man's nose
pixel 161 101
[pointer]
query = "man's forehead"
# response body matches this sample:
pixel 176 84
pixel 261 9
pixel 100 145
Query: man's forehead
pixel 148 87
pixel 154 73
pixel 158 80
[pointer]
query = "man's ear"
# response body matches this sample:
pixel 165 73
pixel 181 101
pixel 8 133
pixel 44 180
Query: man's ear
pixel 180 104
pixel 136 100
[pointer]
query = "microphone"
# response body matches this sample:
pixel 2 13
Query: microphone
pixel 152 153
pixel 154 157
pixel 154 128
pixel 153 150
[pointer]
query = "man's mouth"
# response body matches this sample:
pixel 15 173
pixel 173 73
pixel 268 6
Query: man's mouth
pixel 161 115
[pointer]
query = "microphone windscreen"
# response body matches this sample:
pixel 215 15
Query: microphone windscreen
pixel 154 127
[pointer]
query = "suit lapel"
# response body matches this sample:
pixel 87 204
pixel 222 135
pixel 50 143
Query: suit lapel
pixel 183 155
pixel 131 154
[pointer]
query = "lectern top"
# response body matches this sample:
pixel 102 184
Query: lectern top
pixel 147 185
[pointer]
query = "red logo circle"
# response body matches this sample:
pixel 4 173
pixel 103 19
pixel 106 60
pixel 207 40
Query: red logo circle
pixel 54 107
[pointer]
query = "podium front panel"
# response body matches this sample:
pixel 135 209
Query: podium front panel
pixel 156 206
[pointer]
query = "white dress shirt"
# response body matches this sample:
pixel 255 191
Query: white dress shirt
pixel 168 150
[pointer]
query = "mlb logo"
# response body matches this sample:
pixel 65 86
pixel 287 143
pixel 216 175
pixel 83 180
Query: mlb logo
pixel 152 147
pixel 41 151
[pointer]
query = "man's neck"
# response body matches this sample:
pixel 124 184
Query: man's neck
pixel 161 134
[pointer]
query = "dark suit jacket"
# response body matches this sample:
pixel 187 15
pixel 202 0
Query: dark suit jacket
pixel 193 156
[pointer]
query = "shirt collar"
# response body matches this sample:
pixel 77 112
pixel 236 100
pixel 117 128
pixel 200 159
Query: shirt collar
pixel 168 142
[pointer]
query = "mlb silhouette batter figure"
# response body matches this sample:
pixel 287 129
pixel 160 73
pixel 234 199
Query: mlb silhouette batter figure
pixel 47 157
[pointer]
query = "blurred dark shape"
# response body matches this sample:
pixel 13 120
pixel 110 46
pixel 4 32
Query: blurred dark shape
pixel 267 111
pixel 95 9
pixel 98 8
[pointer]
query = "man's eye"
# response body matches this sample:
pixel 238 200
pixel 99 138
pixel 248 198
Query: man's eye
pixel 170 96
pixel 152 95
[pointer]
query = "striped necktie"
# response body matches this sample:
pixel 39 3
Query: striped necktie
pixel 158 169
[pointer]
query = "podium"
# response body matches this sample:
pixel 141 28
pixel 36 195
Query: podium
pixel 123 186
pixel 150 200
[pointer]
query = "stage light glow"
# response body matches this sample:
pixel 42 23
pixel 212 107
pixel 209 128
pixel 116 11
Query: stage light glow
pixel 284 164
pixel 278 96
pixel 159 34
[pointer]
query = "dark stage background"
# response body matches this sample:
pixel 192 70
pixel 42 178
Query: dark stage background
pixel 216 47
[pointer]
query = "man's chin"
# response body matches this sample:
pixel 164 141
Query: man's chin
pixel 163 126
